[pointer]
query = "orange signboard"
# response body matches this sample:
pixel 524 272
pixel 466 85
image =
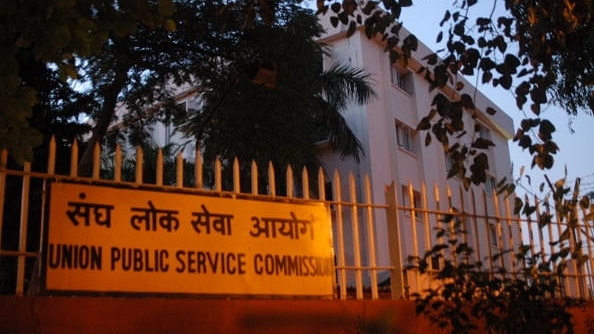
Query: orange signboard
pixel 105 239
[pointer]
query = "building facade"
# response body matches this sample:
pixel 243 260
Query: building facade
pixel 395 152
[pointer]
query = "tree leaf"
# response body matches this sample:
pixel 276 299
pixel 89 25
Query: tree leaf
pixel 482 143
pixel 352 28
pixel 546 129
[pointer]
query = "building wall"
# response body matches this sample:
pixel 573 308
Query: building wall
pixel 384 161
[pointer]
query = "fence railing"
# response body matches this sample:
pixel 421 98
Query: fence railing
pixel 373 238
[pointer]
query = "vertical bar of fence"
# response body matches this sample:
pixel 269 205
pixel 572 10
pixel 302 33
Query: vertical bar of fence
pixel 290 183
pixel 573 224
pixel 198 170
pixel 139 165
pixel 254 177
pixel 159 168
pixel 463 221
pixel 590 260
pixel 581 262
pixel 529 224
pixel 488 231
pixel 355 232
pixel 271 180
pixel 552 246
pixel 427 226
pixel 24 219
pixel 305 183
pixel 74 159
pixel 475 226
pixel 371 238
pixel 340 235
pixel 559 223
pixel 51 164
pixel 395 243
pixel 321 185
pixel 413 223
pixel 500 250
pixel 510 231
pixel 3 163
pixel 179 170
pixel 236 177
pixel 117 164
pixel 541 241
pixel 96 161
pixel 218 178
pixel 451 224
pixel 463 215
pixel 439 219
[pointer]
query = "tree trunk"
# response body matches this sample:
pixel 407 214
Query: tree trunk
pixel 110 97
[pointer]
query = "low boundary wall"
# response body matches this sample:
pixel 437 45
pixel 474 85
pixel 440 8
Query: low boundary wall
pixel 45 314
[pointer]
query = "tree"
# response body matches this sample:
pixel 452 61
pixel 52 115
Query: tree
pixel 272 102
pixel 138 71
pixel 54 34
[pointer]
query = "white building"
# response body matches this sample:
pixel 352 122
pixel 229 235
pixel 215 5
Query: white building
pixel 395 152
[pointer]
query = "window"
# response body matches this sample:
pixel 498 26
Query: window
pixel 328 189
pixel 493 235
pixel 402 78
pixel 484 132
pixel 182 105
pixel 449 162
pixel 405 138
pixel 167 135
pixel 490 185
pixel 407 203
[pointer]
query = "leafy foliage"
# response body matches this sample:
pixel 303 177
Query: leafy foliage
pixel 468 296
pixel 538 50
pixel 53 33
pixel 211 47
pixel 271 100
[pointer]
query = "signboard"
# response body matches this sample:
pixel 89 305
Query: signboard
pixel 106 239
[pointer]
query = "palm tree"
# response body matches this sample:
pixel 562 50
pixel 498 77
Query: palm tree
pixel 272 99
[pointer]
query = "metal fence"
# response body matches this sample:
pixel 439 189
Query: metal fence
pixel 374 239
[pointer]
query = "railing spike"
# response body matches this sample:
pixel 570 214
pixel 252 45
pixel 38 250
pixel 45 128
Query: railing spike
pixel 305 183
pixel 321 184
pixel 290 183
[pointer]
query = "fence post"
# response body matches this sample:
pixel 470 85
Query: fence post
pixel 22 253
pixel 397 275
